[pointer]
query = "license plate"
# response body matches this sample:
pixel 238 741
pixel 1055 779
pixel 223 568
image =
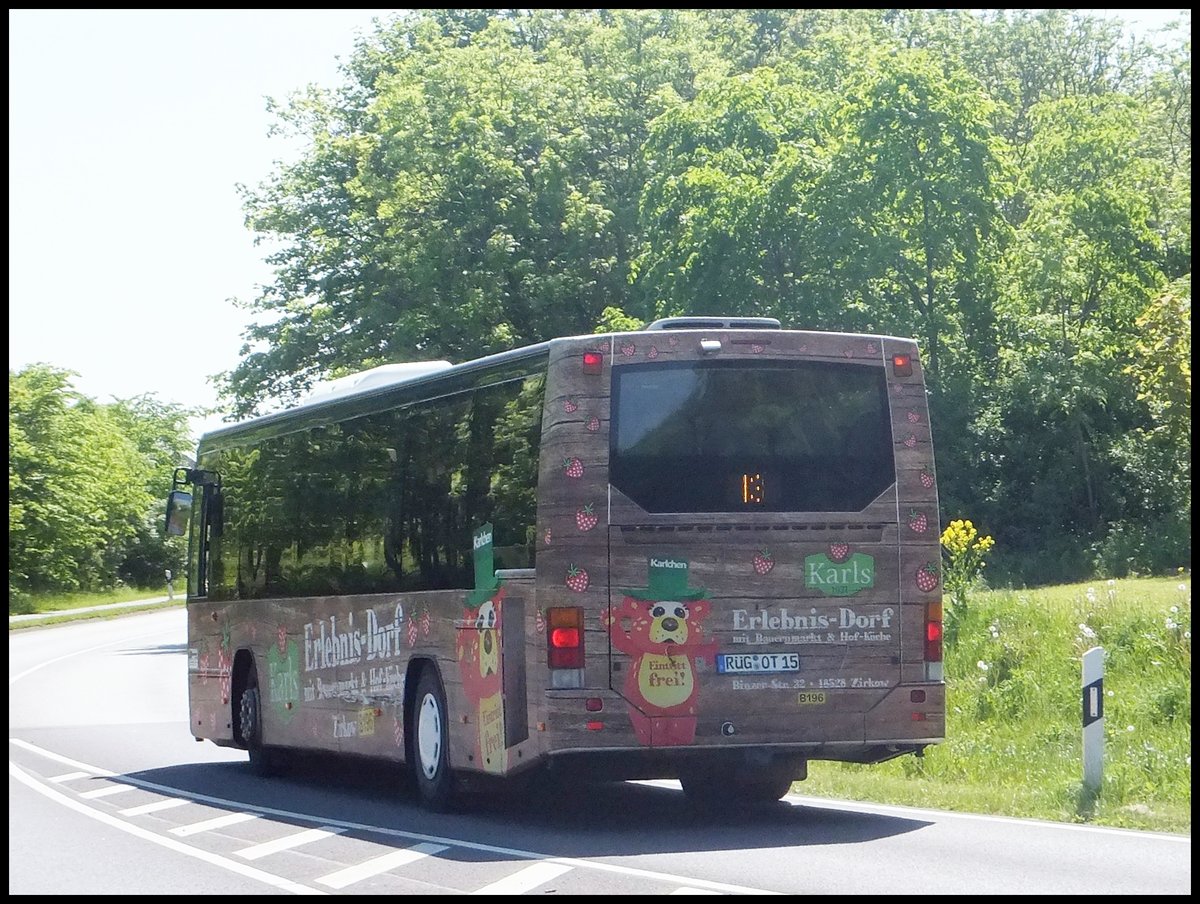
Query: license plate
pixel 757 663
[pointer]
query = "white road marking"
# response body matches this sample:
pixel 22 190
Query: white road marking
pixel 374 867
pixel 288 842
pixel 168 804
pixel 107 792
pixel 694 891
pixel 69 777
pixel 524 880
pixel 178 846
pixel 346 825
pixel 209 825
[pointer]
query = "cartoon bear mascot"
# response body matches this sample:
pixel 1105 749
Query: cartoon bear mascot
pixel 477 648
pixel 658 627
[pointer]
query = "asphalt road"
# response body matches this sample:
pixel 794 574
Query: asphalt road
pixel 109 794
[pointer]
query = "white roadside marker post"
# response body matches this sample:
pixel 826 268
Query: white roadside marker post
pixel 1093 717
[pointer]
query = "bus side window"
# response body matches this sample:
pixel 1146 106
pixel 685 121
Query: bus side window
pixel 517 434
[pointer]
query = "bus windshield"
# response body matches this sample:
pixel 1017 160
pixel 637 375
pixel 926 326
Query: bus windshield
pixel 741 436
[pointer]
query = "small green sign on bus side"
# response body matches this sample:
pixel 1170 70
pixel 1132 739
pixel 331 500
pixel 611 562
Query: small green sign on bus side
pixel 842 578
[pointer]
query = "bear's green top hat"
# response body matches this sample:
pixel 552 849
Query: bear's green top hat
pixel 667 579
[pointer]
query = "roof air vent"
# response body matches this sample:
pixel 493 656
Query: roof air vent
pixel 715 323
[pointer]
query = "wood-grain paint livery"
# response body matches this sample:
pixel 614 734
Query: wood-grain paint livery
pixel 860 653
pixel 335 671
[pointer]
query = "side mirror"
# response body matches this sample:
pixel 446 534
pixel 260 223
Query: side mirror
pixel 179 512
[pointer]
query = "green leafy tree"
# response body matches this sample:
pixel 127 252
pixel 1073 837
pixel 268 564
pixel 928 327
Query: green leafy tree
pixel 78 487
pixel 472 188
pixel 726 212
pixel 159 432
pixel 1086 261
pixel 85 484
pixel 911 198
pixel 1010 187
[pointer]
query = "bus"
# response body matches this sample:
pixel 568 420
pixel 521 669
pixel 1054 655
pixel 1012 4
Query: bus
pixel 707 550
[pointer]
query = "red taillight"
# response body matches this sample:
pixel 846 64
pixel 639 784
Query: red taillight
pixel 902 365
pixel 593 362
pixel 564 638
pixel 933 632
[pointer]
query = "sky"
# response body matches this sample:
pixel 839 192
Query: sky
pixel 129 131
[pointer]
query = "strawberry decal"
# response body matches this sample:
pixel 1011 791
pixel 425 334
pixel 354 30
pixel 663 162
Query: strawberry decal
pixel 927 480
pixel 871 348
pixel 586 518
pixel 281 639
pixel 573 467
pixel 539 621
pixel 927 577
pixel 593 424
pixel 674 340
pixel 914 418
pixel 910 441
pixel 763 562
pixel 758 348
pixel 425 622
pixel 225 665
pixel 570 406
pixel 411 632
pixel 839 552
pixel 628 349
pixel 653 353
pixel 546 536
pixel 918 521
pixel 577 579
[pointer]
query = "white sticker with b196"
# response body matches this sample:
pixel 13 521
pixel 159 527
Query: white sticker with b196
pixel 757 663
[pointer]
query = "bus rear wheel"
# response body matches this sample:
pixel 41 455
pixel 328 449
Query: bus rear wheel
pixel 708 790
pixel 435 784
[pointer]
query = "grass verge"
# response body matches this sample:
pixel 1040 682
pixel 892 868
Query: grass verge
pixel 1014 733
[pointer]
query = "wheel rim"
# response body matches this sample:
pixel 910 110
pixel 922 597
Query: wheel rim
pixel 429 736
pixel 249 715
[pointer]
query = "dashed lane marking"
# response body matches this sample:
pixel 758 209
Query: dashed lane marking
pixel 211 825
pixel 377 865
pixel 106 792
pixel 524 880
pixel 169 804
pixel 70 776
pixel 287 842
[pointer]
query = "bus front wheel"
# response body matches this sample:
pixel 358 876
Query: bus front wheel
pixel 435 785
pixel 263 761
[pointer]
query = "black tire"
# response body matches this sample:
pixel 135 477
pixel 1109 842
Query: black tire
pixel 708 791
pixel 431 744
pixel 263 760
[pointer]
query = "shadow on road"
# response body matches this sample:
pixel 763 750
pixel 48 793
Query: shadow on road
pixel 566 819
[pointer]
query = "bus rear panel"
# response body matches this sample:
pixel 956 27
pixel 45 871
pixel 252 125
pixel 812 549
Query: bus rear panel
pixel 767 589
